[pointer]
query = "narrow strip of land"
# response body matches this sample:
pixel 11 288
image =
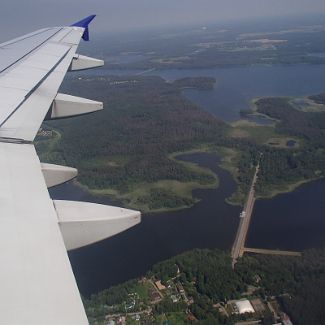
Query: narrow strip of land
pixel 238 246
pixel 270 252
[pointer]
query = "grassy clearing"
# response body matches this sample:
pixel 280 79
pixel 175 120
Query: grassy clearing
pixel 281 142
pixel 229 159
pixel 261 134
pixel 107 191
pixel 143 290
pixel 258 133
pixel 193 166
pixel 176 189
pixel 229 162
pixel 243 123
pixel 238 198
pixel 112 161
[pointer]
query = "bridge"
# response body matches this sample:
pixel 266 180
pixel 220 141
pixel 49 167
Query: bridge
pixel 270 252
pixel 239 244
pixel 238 248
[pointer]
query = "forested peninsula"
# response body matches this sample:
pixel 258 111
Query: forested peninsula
pixel 129 150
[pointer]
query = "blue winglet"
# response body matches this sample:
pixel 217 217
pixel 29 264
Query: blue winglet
pixel 85 23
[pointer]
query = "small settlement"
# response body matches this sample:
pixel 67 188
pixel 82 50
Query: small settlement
pixel 249 309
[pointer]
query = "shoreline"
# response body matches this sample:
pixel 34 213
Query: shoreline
pixel 288 188
pixel 185 189
pixel 234 200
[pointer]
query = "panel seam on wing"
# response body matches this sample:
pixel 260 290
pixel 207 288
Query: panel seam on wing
pixel 35 87
pixel 24 56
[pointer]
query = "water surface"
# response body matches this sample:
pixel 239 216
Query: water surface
pixel 290 221
pixel 211 223
pixel 236 87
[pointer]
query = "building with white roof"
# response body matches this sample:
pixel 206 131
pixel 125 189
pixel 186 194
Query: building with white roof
pixel 244 306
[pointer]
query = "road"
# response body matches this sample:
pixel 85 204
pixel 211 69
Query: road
pixel 270 252
pixel 239 244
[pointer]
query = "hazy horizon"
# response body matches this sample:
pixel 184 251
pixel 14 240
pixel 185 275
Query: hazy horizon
pixel 18 18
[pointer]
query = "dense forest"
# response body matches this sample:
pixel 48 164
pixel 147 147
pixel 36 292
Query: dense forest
pixel 216 281
pixel 128 143
pixel 126 147
pixel 303 163
pixel 208 277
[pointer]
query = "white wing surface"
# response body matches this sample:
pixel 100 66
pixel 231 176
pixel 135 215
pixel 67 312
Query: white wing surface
pixel 31 77
pixel 37 285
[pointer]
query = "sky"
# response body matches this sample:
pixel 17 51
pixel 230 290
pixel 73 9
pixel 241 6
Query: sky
pixel 21 16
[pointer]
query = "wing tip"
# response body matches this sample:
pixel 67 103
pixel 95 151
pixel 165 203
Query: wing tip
pixel 84 22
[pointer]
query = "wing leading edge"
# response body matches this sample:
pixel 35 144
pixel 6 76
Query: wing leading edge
pixel 37 282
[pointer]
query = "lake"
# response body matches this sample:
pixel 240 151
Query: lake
pixel 210 223
pixel 236 87
pixel 293 221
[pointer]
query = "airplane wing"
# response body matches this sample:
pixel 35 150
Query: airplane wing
pixel 37 285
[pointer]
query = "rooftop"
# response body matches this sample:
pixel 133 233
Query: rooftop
pixel 244 306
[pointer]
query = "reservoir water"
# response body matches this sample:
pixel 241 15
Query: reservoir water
pixel 210 223
pixel 289 221
pixel 236 87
